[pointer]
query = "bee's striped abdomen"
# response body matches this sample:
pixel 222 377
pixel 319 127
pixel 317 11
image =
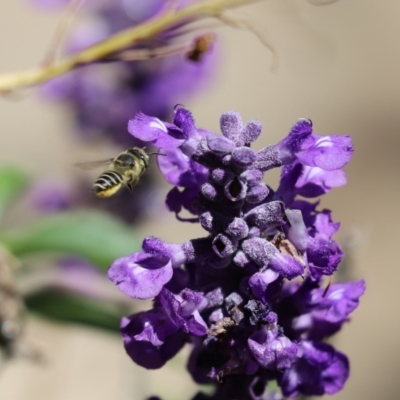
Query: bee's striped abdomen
pixel 107 183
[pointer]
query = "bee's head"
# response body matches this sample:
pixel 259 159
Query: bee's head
pixel 140 154
pixel 125 160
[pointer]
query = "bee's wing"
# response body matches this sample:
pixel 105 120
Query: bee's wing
pixel 94 164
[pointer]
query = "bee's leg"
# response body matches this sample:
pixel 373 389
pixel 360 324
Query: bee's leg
pixel 132 183
pixel 130 186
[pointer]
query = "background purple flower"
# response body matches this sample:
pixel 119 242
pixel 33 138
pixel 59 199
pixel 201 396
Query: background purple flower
pixel 103 97
pixel 55 194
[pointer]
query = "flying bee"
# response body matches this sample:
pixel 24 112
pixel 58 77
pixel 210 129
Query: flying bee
pixel 123 170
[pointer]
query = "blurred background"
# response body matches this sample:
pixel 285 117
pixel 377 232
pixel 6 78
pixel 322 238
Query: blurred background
pixel 338 65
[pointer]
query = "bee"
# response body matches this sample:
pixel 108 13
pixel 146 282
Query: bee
pixel 123 170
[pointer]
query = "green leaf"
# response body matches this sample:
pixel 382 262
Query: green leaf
pixel 68 307
pixel 92 235
pixel 12 183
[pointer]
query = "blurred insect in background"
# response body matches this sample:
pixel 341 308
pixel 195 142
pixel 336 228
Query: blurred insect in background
pixel 123 170
pixel 201 46
pixel 11 305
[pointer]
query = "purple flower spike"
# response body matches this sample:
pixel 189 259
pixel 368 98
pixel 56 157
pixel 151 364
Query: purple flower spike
pixel 251 297
pixel 140 275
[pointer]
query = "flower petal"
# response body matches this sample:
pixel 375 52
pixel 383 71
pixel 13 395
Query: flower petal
pixel 150 339
pixel 140 275
pixel 328 152
pixel 151 129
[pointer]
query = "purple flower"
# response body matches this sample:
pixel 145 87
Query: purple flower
pixel 321 370
pixel 150 129
pixel 183 310
pixel 141 275
pixel 53 195
pixel 150 339
pixel 74 274
pixel 323 253
pixel 177 166
pixel 338 302
pixel 298 179
pixel 272 349
pixel 313 312
pixel 249 295
pixel 50 195
pixel 315 165
pixel 326 152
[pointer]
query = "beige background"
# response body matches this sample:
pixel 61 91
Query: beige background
pixel 339 66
